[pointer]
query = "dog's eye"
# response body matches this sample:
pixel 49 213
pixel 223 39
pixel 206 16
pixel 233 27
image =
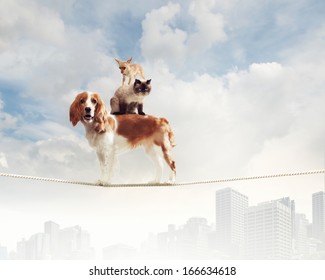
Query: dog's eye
pixel 94 101
pixel 82 101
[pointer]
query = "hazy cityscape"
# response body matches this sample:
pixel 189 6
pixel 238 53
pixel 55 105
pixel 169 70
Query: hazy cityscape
pixel 269 230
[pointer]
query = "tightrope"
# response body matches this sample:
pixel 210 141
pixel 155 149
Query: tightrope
pixel 216 181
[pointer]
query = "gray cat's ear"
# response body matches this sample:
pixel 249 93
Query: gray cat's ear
pixel 148 82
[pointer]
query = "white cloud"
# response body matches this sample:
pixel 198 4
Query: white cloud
pixel 224 122
pixel 306 57
pixel 6 120
pixel 162 39
pixel 47 55
pixel 64 156
pixel 26 20
pixel 209 26
pixel 3 160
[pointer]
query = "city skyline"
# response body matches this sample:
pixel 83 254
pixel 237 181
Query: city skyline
pixel 269 230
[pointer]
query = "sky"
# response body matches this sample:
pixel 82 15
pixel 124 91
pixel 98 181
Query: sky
pixel 241 82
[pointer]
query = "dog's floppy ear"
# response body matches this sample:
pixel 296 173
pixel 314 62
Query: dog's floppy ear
pixel 74 111
pixel 129 60
pixel 101 115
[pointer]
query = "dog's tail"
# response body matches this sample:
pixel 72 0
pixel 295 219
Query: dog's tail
pixel 170 133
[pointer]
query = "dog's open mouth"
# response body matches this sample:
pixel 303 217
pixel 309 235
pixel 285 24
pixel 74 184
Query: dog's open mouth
pixel 88 117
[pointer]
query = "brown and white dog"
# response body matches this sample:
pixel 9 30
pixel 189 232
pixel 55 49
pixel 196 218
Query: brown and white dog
pixel 110 135
pixel 130 70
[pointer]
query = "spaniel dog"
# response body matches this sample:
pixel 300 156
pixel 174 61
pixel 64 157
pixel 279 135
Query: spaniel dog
pixel 110 135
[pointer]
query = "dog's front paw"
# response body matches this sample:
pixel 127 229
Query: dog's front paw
pixel 154 182
pixel 102 183
pixel 170 182
pixel 172 178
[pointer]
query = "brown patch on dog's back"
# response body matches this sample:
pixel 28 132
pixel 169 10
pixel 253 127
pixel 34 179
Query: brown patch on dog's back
pixel 139 129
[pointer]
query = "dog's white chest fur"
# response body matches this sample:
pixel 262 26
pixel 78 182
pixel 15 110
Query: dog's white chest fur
pixel 109 139
pixel 98 141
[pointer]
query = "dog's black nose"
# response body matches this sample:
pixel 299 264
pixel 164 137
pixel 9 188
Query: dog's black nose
pixel 87 109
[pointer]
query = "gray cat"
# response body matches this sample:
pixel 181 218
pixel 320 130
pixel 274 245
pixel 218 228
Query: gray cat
pixel 129 98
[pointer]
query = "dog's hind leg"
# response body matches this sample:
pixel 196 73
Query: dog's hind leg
pixel 157 160
pixel 165 148
pixel 171 163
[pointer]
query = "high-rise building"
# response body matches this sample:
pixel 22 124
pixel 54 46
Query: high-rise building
pixel 3 253
pixel 301 240
pixel 193 238
pixel 35 248
pixel 51 228
pixel 75 243
pixel 52 231
pixel 319 215
pixel 268 230
pixel 230 221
